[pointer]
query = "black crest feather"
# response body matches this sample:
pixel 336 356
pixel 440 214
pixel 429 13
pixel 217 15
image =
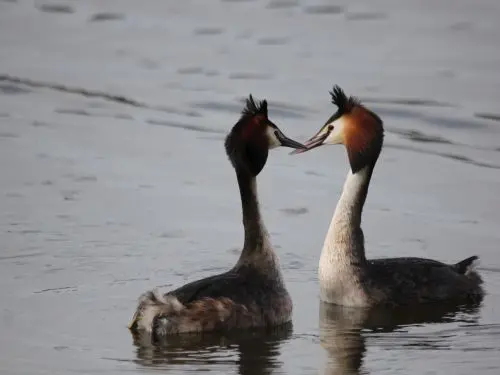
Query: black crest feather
pixel 253 108
pixel 341 100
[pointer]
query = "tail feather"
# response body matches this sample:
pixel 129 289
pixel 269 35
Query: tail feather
pixel 466 266
pixel 151 305
pixel 162 315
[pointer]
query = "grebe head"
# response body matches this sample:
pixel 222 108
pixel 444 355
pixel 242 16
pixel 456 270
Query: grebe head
pixel 353 125
pixel 248 143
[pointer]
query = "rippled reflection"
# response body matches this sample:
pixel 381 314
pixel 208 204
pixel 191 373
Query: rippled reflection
pixel 255 352
pixel 346 333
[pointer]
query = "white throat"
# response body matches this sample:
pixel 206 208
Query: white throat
pixel 343 259
pixel 347 214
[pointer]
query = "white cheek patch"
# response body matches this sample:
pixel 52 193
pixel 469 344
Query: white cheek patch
pixel 273 140
pixel 336 136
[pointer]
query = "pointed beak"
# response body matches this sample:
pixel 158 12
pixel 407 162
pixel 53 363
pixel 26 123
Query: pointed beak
pixel 313 142
pixel 287 142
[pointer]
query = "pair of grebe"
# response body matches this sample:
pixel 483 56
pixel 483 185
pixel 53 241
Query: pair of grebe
pixel 253 294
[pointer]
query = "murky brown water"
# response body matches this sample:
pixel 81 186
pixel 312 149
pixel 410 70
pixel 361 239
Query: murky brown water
pixel 114 178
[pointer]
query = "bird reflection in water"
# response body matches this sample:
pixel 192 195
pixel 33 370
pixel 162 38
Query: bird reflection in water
pixel 251 352
pixel 344 330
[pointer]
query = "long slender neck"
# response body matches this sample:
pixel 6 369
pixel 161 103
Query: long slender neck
pixel 257 248
pixel 345 240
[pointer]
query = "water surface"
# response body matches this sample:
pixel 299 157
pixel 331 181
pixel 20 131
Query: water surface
pixel 114 178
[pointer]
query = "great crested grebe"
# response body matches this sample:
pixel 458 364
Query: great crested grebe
pixel 251 294
pixel 346 277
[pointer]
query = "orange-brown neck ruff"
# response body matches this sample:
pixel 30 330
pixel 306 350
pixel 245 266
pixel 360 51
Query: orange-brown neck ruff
pixel 363 137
